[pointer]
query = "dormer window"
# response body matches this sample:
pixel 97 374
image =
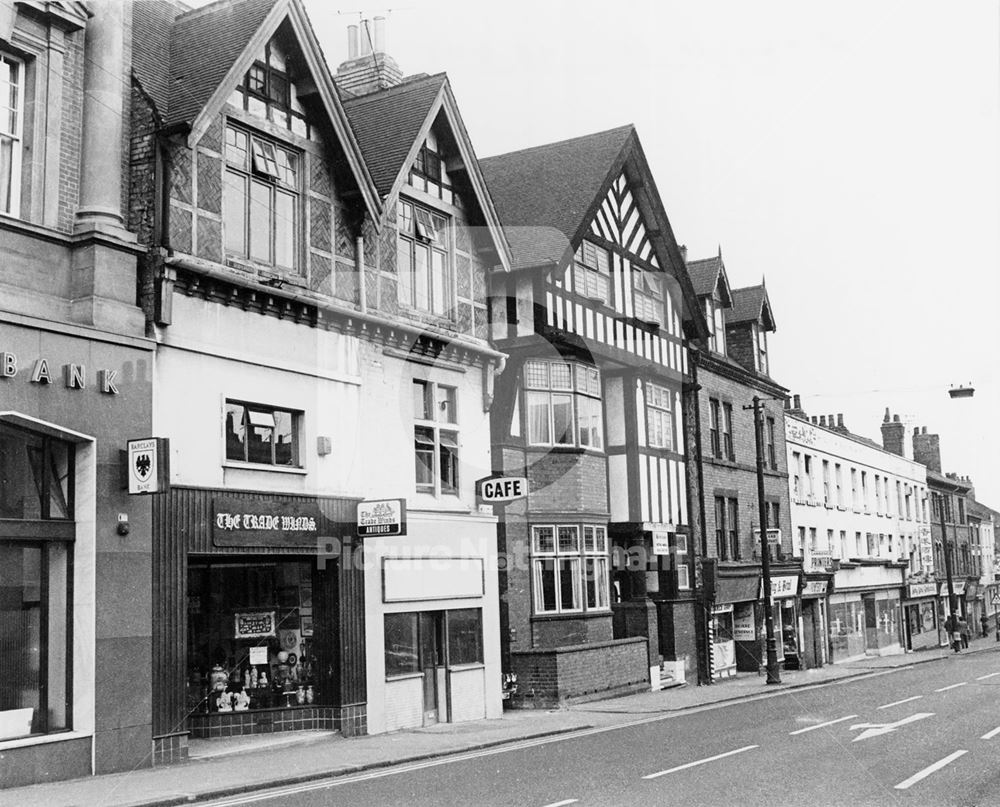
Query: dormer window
pixel 424 255
pixel 760 349
pixel 716 326
pixel 11 116
pixel 648 297
pixel 268 92
pixel 592 273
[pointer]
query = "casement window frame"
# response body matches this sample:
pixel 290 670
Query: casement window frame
pixel 659 416
pixel 266 165
pixel 268 91
pixel 588 566
pixel 591 275
pixel 428 289
pixel 436 437
pixel 582 391
pixel 14 136
pixel 727 526
pixel 262 416
pixel 647 296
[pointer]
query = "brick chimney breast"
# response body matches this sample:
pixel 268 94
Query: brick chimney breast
pixel 927 449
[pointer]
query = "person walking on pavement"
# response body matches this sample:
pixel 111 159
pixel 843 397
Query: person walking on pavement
pixel 963 630
pixel 984 623
pixel 951 628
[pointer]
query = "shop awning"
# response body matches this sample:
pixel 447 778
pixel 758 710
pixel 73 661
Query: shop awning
pixel 738 589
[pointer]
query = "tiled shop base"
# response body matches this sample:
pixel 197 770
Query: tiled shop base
pixel 261 721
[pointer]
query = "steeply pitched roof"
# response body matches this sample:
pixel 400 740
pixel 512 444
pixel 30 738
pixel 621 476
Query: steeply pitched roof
pixel 386 124
pixel 543 193
pixel 705 276
pixel 204 45
pixel 751 304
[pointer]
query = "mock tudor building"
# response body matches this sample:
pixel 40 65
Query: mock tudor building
pixel 75 384
pixel 595 316
pixel 315 282
pixel 730 370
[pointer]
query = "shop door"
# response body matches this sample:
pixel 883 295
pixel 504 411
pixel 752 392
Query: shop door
pixel 871 624
pixel 432 662
pixel 809 634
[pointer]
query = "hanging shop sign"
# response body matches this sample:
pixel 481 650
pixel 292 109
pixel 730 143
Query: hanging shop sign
pixel 266 522
pixel 382 517
pixel 494 489
pixel 255 625
pixel 147 465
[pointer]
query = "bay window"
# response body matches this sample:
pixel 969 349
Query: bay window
pixel 423 254
pixel 570 575
pixel 11 122
pixel 435 437
pixel 563 404
pixel 260 200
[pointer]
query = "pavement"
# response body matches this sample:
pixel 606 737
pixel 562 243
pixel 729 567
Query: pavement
pixel 228 767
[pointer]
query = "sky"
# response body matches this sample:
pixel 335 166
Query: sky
pixel 847 152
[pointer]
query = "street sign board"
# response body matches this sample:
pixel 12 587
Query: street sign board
pixel 382 517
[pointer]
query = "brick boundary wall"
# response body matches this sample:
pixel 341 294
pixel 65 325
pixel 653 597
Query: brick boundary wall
pixel 550 676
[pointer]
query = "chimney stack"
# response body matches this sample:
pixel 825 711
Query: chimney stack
pixel 927 449
pixel 684 252
pixel 368 67
pixel 822 420
pixel 893 435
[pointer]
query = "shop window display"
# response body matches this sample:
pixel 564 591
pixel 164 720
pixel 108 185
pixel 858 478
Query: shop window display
pixel 250 636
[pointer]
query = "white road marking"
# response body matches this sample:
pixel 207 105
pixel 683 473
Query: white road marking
pixel 701 761
pixel 822 725
pixel 953 686
pixel 929 770
pixel 897 703
pixel 984 677
pixel 878 729
pixel 562 803
pixel 989 735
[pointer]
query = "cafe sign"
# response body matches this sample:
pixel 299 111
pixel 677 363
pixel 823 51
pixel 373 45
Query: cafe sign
pixel 265 523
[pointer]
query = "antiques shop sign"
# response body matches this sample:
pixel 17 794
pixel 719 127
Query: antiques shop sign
pixel 266 523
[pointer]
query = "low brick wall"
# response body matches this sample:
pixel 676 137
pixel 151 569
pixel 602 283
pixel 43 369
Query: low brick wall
pixel 547 677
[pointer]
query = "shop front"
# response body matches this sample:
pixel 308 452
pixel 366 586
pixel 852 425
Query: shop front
pixel 734 632
pixel 943 610
pixel 784 599
pixel 919 618
pixel 260 616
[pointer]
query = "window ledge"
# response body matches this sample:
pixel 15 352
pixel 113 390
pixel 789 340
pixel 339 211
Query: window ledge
pixel 44 739
pixel 474 665
pixel 255 466
pixel 404 677
pixel 591 614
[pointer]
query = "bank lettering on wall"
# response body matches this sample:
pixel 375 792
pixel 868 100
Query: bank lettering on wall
pixel 72 376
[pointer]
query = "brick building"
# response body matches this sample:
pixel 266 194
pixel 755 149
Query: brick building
pixel 595 318
pixel 731 369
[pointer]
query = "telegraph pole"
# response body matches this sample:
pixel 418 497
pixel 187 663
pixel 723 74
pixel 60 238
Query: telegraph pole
pixel 773 676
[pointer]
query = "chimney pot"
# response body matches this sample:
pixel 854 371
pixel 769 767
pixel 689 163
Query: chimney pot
pixel 798 401
pixel 923 430
pixel 352 42
pixel 380 35
pixel 886 418
pixel 840 420
pixel 822 420
pixel 366 34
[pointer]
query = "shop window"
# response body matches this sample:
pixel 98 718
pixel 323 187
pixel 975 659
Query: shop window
pixel 424 259
pixel 465 636
pixel 659 420
pixel 251 638
pixel 36 660
pixel 262 435
pixel 11 122
pixel 417 641
pixel 268 92
pixel 569 575
pixel 563 404
pixel 592 273
pixel 402 646
pixel 260 200
pixel 435 437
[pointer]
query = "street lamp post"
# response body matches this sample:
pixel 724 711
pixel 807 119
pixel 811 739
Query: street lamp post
pixel 773 676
